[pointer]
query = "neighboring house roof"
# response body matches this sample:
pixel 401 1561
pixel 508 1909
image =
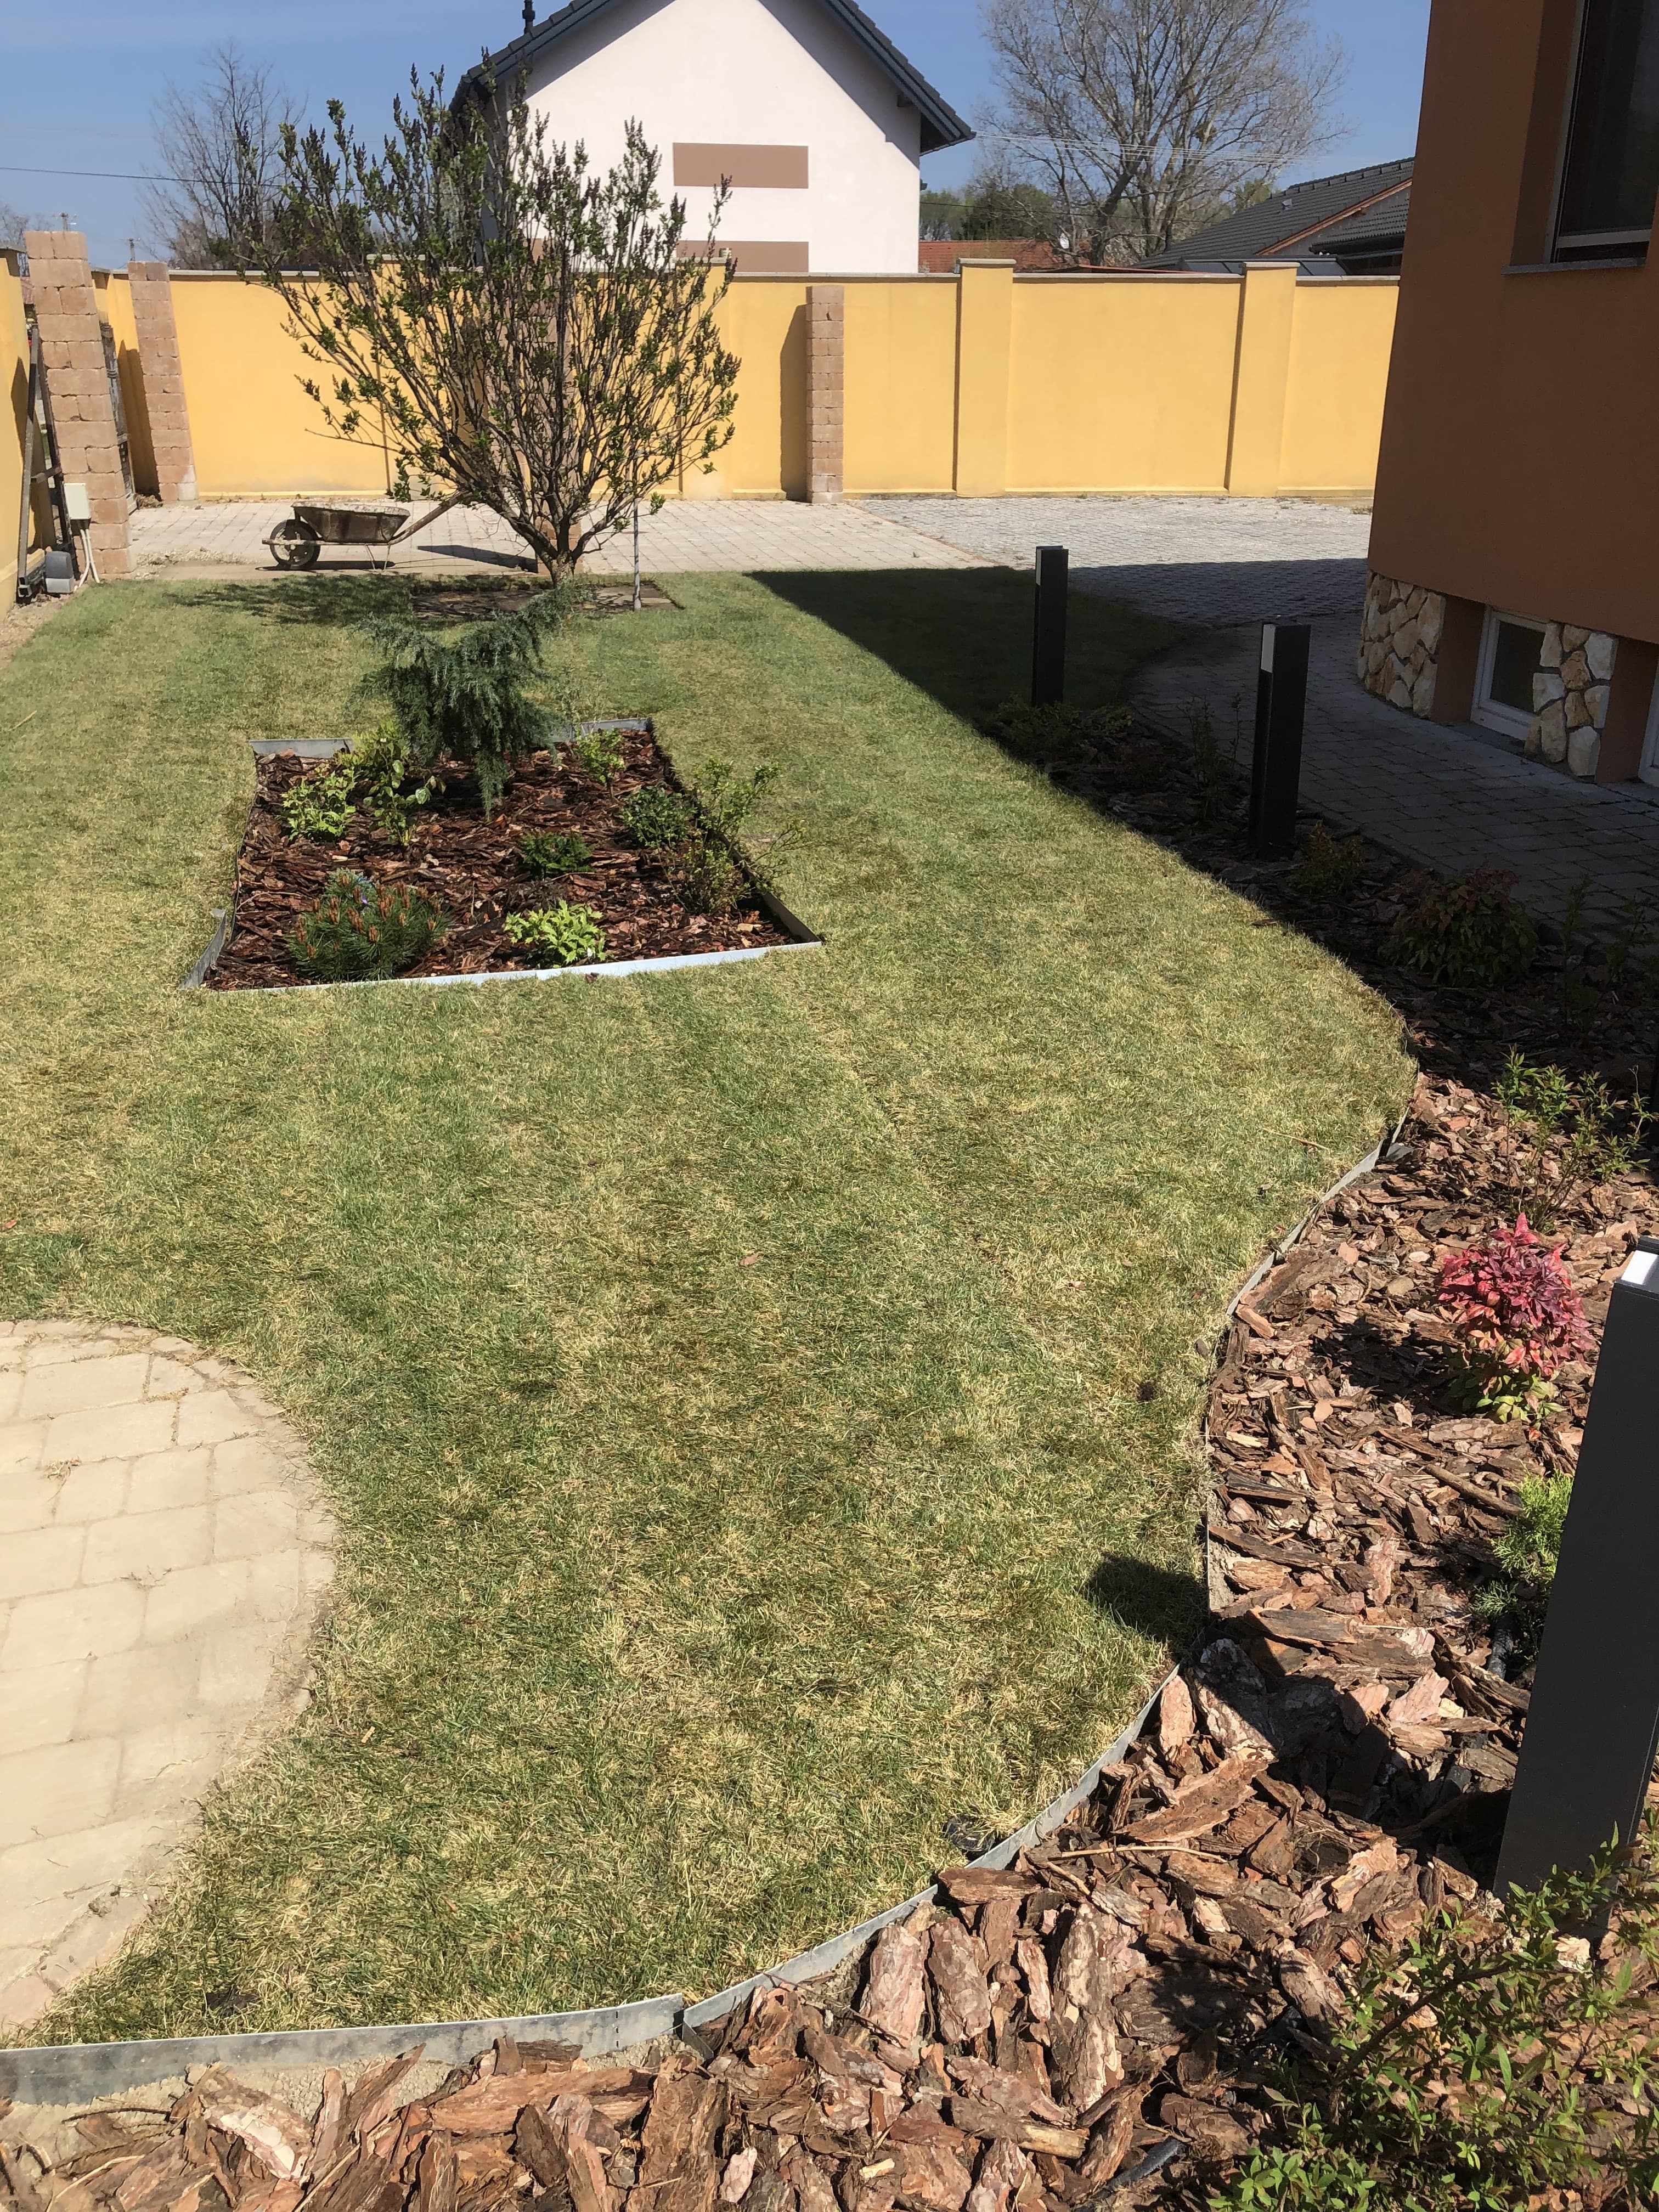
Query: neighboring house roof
pixel 1294 223
pixel 940 256
pixel 940 124
pixel 1379 228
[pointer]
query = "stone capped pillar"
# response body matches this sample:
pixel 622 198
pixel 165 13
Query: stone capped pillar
pixel 72 355
pixel 826 392
pixel 164 382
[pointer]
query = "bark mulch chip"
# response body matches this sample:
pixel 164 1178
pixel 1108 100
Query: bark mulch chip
pixel 470 869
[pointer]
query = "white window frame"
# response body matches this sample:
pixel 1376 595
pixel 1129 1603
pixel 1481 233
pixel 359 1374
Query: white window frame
pixel 1490 712
pixel 1649 771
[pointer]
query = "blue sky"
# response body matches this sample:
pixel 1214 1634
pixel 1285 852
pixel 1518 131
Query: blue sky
pixel 97 116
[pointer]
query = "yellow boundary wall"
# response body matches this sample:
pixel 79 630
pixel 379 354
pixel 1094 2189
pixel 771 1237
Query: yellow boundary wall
pixel 980 383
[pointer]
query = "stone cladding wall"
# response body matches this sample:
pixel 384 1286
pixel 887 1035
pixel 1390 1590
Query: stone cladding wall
pixel 1570 697
pixel 1399 642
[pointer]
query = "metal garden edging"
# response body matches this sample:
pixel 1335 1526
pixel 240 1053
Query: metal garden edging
pixel 801 938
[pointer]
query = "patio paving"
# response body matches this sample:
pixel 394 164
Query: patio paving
pixel 686 535
pixel 162 1557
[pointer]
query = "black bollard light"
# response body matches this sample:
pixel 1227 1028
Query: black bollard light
pixel 1593 1725
pixel 1048 636
pixel 1281 704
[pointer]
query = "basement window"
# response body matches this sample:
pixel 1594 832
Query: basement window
pixel 1510 649
pixel 1610 179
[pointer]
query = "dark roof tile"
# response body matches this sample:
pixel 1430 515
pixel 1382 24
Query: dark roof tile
pixel 1261 233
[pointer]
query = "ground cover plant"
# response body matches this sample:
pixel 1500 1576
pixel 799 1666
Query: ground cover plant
pixel 757 1402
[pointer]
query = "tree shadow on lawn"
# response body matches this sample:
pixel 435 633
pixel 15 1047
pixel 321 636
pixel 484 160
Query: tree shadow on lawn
pixel 1155 1601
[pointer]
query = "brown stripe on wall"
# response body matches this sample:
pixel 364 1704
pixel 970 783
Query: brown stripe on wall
pixel 768 168
pixel 768 257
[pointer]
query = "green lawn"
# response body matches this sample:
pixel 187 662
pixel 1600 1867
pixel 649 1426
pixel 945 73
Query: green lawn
pixel 685 1597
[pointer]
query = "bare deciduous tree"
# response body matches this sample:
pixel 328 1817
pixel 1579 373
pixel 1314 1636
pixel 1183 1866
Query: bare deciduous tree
pixel 13 222
pixel 1142 118
pixel 535 336
pixel 212 201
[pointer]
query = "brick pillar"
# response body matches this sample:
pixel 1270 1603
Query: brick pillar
pixel 826 391
pixel 72 355
pixel 164 382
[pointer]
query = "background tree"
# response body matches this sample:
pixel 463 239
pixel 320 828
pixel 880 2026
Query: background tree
pixel 532 335
pixel 13 221
pixel 212 201
pixel 1141 118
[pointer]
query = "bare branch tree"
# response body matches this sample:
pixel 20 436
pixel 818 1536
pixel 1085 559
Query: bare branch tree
pixel 212 200
pixel 535 336
pixel 1141 118
pixel 13 222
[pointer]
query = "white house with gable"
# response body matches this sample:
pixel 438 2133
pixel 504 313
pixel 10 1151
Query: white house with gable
pixel 818 121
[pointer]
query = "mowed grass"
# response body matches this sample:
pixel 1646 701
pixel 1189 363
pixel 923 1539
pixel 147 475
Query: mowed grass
pixel 729 1384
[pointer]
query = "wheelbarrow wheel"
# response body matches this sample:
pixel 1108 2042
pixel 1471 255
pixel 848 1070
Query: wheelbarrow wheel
pixel 295 545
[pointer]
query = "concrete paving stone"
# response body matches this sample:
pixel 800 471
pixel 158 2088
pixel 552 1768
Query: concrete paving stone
pixel 27 1501
pixel 255 1524
pixel 148 1546
pixel 247 1463
pixel 114 1432
pixel 139 1689
pixel 212 1417
pixel 316 1569
pixel 24 1999
pixel 274 1584
pixel 177 1760
pixel 56 1789
pixel 237 1658
pixel 40 1704
pixel 170 1478
pixel 58 1626
pixel 95 1941
pixel 173 1348
pixel 42 1882
pixel 92 1493
pixel 168 1377
pixel 40 1559
pixel 11 1390
pixel 190 1598
pixel 22 1444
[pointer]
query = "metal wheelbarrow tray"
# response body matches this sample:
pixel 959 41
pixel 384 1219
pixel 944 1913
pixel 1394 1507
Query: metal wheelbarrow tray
pixel 297 542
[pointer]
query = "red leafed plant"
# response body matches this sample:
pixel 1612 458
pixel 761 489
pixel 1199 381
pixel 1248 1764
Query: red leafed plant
pixel 1517 1317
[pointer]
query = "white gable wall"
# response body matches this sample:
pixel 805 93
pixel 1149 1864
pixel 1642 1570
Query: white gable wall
pixel 753 73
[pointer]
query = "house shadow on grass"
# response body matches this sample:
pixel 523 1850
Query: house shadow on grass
pixel 963 635
pixel 1151 1600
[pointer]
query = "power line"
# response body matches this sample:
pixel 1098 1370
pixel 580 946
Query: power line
pixel 118 176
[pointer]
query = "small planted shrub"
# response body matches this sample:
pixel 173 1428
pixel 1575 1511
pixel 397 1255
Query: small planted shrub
pixel 1527 1554
pixel 706 876
pixel 1331 868
pixel 547 853
pixel 656 817
pixel 710 868
pixel 566 936
pixel 1491 2063
pixel 321 805
pixel 360 930
pixel 383 768
pixel 1517 1318
pixel 598 753
pixel 1470 933
pixel 1580 1134
pixel 466 699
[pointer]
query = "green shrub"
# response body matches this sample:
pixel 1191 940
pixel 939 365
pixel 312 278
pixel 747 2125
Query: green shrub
pixel 1545 1105
pixel 322 803
pixel 1527 1554
pixel 568 935
pixel 655 816
pixel 546 853
pixel 385 768
pixel 1487 2064
pixel 707 878
pixel 465 700
pixel 359 930
pixel 1331 868
pixel 1469 932
pixel 598 753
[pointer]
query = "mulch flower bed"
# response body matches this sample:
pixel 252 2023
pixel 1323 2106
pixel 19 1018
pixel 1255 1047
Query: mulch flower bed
pixel 471 868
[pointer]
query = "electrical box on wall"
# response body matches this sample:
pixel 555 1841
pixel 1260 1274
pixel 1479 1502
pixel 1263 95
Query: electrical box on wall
pixel 78 503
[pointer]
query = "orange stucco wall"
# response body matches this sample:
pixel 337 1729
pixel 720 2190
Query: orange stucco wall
pixel 1520 457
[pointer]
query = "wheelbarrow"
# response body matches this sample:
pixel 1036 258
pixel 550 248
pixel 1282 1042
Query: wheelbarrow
pixel 377 523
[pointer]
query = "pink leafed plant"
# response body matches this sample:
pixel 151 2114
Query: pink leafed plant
pixel 1517 1317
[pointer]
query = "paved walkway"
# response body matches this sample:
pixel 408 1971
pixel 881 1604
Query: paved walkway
pixel 684 536
pixel 161 1559
pixel 1452 797
pixel 1206 560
